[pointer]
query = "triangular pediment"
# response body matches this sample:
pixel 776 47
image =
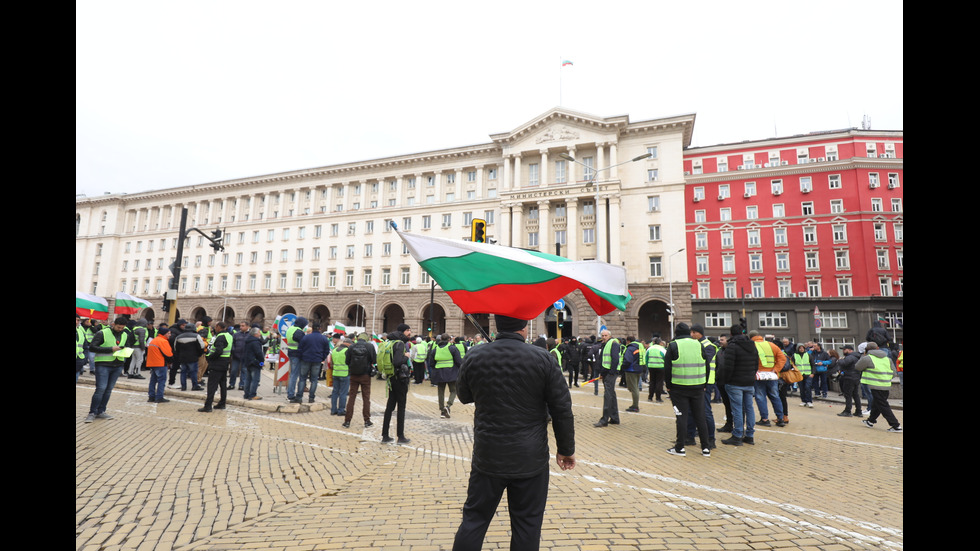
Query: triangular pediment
pixel 561 126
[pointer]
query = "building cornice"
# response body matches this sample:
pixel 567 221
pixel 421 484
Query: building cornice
pixel 847 134
pixel 788 170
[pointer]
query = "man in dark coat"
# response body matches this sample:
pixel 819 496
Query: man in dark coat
pixel 515 387
pixel 740 363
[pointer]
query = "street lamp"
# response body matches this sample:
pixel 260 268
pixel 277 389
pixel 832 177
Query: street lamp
pixel 670 283
pixel 374 312
pixel 595 174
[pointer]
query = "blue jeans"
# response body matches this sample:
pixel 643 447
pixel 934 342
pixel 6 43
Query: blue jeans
pixel 820 385
pixel 338 400
pixel 308 370
pixel 234 372
pixel 770 389
pixel 806 389
pixel 105 381
pixel 188 372
pixel 158 381
pixel 250 380
pixel 742 410
pixel 294 378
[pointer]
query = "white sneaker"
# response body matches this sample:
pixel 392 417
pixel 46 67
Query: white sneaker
pixel 90 418
pixel 809 404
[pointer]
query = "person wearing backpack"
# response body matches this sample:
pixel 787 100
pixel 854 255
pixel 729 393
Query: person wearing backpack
pixel 394 364
pixel 361 357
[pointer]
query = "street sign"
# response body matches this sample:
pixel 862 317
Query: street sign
pixel 560 304
pixel 286 322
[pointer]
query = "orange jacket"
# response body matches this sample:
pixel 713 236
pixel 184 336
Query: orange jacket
pixel 158 351
pixel 777 354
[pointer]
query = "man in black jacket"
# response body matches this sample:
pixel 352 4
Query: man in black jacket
pixel 398 383
pixel 740 363
pixel 850 382
pixel 515 387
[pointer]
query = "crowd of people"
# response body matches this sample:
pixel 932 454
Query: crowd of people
pixel 742 370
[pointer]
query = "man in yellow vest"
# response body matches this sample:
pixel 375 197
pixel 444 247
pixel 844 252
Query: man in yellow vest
pixel 219 360
pixel 686 375
pixel 876 370
pixel 108 346
pixel 609 360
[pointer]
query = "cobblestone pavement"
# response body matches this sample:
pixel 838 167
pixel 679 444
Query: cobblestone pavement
pixel 164 476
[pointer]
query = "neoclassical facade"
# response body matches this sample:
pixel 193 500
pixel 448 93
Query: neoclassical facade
pixel 318 242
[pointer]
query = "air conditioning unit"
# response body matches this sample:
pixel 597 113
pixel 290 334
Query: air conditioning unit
pixel 777 192
pixel 801 294
pixel 892 186
pixel 900 293
pixel 747 195
pixel 697 199
pixel 873 186
pixel 883 156
pixel 806 190
pixel 687 173
pixel 784 163
pixel 741 167
pixel 748 295
pixel 721 197
pixel 822 159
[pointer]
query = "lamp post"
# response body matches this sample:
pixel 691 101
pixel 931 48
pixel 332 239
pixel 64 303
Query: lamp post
pixel 670 283
pixel 374 312
pixel 591 182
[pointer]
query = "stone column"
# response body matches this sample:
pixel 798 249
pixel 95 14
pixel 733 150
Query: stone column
pixel 544 168
pixel 572 229
pixel 517 229
pixel 544 227
pixel 615 239
pixel 516 183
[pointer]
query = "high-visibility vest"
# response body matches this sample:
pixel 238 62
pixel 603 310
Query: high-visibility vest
pixel 79 340
pixel 107 339
pixel 443 357
pixel 711 363
pixel 422 350
pixel 802 363
pixel 338 361
pixel 607 356
pixel 655 356
pixel 557 354
pixel 880 375
pixel 689 368
pixel 462 349
pixel 899 362
pixel 226 353
pixel 766 356
pixel 292 344
pixel 641 354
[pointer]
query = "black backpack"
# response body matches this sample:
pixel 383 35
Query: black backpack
pixel 359 362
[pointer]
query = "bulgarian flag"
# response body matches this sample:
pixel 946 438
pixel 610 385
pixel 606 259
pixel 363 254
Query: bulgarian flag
pixel 339 328
pixel 492 279
pixel 91 306
pixel 128 304
pixel 565 62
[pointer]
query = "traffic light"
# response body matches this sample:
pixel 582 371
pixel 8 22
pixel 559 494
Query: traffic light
pixel 216 243
pixel 478 231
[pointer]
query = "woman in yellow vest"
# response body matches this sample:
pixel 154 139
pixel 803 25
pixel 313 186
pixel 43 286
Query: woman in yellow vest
pixel 801 361
pixel 876 372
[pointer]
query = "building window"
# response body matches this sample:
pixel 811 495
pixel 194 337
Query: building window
pixel 561 175
pixel 753 238
pixel 704 289
pixel 702 265
pixel 896 205
pixel 879 230
pixel 728 264
pixel 654 232
pixel 656 266
pixel 883 263
pixel 331 279
pixel 367 277
pixel 349 278
pixel 701 240
pixel 807 208
pixel 588 235
pixel 776 186
pixel 876 204
pixel 782 262
pixel 836 206
pixel 779 237
pixel 842 259
pixel 725 214
pixel 834 181
pixel 806 184
pixel 844 287
pixel 727 240
pixel 809 235
pixel 813 288
pixel 752 212
pixel 755 262
pixel 730 291
pixel 749 189
pixel 532 239
pixel 773 320
pixel 406 276
pixel 812 261
pixel 892 180
pixel 784 288
pixel 385 277
pixel 721 320
pixel 426 222
pixel 533 174
pixel 758 289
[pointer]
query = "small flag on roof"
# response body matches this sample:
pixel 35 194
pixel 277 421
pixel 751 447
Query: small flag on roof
pixel 566 62
pixel 493 279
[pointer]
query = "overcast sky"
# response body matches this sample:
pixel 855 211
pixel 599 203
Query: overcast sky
pixel 188 92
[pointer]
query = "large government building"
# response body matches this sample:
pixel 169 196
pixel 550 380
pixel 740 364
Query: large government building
pixel 317 242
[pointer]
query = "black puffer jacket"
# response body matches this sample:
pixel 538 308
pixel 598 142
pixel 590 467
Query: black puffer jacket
pixel 741 361
pixel 515 387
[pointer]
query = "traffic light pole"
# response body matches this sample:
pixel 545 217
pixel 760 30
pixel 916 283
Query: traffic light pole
pixel 170 298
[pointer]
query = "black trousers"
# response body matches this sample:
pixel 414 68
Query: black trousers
pixel 526 499
pixel 880 406
pixel 217 380
pixel 397 396
pixel 689 399
pixel 852 393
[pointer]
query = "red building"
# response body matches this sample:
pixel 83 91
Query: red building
pixel 791 223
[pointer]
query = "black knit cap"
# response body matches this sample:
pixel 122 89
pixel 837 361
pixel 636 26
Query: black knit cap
pixel 509 324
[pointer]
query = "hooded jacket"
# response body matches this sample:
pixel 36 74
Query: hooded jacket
pixel 741 361
pixel 515 386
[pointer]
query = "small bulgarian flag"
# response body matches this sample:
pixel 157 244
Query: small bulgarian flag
pixel 128 304
pixel 565 62
pixel 493 279
pixel 91 306
pixel 339 328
